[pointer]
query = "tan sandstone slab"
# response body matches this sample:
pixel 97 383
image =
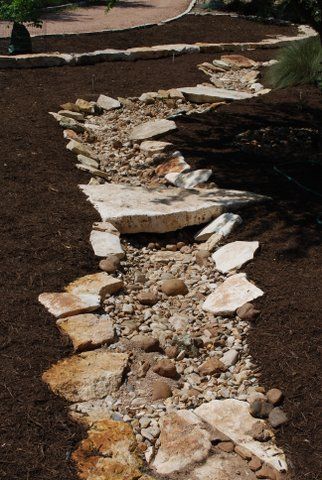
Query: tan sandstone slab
pixel 231 294
pixel 64 304
pixel 106 243
pixel 238 61
pixel 79 149
pixel 99 284
pixel 87 376
pixel 137 209
pixel 232 418
pixel 152 129
pixel 203 94
pixel 184 441
pixel 88 330
pixel 234 255
pixel 223 466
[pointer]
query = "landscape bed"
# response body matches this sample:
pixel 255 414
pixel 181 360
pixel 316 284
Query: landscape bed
pixel 189 29
pixel 46 225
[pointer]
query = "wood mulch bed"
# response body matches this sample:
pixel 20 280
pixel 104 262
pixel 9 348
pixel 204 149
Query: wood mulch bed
pixel 189 29
pixel 46 223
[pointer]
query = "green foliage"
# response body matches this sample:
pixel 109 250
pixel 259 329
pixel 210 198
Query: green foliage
pixel 299 63
pixel 21 11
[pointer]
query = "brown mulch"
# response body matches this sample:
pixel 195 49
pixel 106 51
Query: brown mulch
pixel 44 238
pixel 189 29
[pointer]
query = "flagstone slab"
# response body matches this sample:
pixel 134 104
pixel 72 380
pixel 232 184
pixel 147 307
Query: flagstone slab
pixel 134 209
pixel 203 94
pixel 107 103
pixel 99 284
pixel 88 331
pixel 223 226
pixel 152 129
pixel 232 418
pixel 189 180
pixel 238 61
pixel 231 294
pixel 87 376
pixel 183 441
pixel 234 255
pixel 152 147
pixel 65 304
pixel 106 243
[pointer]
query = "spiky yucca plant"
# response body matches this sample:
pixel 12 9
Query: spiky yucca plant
pixel 300 62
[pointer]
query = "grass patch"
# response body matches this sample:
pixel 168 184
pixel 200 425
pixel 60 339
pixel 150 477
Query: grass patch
pixel 299 63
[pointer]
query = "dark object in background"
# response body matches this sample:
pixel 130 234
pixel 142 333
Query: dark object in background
pixel 20 41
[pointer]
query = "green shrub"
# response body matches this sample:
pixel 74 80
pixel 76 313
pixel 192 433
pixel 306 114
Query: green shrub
pixel 300 62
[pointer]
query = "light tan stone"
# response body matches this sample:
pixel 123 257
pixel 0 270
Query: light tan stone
pixel 234 255
pixel 150 147
pixel 87 376
pixel 87 331
pixel 223 466
pixel 79 149
pixel 107 103
pixel 222 225
pixel 203 94
pixel 176 164
pixel 99 284
pixel 64 304
pixel 152 129
pixel 106 243
pixel 238 61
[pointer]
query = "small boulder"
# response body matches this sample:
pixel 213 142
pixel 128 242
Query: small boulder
pixel 146 343
pixel 147 298
pixel 110 264
pixel 173 287
pixel 166 368
pixel 161 390
pixel 248 312
pixel 274 396
pixel 260 408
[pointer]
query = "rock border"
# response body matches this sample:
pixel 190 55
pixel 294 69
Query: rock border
pixel 144 53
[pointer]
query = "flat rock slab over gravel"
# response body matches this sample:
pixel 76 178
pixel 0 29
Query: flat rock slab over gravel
pixel 87 376
pixel 64 304
pixel 152 129
pixel 234 255
pixel 106 243
pixel 202 94
pixel 231 294
pixel 99 284
pixel 137 209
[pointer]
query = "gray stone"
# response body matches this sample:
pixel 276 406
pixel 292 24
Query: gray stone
pixel 229 358
pixel 150 147
pixel 108 103
pixel 277 417
pixel 152 129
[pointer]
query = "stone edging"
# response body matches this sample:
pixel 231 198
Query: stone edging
pixel 143 53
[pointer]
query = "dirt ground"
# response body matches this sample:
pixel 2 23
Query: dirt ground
pixel 189 29
pixel 44 236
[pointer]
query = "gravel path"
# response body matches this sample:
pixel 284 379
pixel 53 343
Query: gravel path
pixel 128 13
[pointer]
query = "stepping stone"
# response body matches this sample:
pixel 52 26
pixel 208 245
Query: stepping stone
pixel 232 418
pixel 65 304
pixel 137 209
pixel 87 376
pixel 176 164
pixel 88 331
pixel 223 466
pixel 175 454
pixel 105 243
pixel 231 294
pixel 99 284
pixel 189 180
pixel 108 103
pixel 234 255
pixel 202 94
pixel 150 147
pixel 223 226
pixel 238 61
pixel 152 129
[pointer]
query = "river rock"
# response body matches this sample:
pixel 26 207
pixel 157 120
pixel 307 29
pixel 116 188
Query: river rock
pixel 231 294
pixel 223 226
pixel 232 418
pixel 160 390
pixel 148 298
pixel 248 312
pixel 174 287
pixel 110 264
pixel 234 255
pixel 152 129
pixel 99 284
pixel 87 330
pixel 277 417
pixel 183 441
pixel 146 343
pixel 274 396
pixel 65 304
pixel 87 376
pixel 107 103
pixel 166 368
pixel 137 209
pixel 202 94
pixel 189 180
pixel 229 358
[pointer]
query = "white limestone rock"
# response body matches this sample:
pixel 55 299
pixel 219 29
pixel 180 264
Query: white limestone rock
pixel 231 294
pixel 108 103
pixel 234 255
pixel 203 94
pixel 152 129
pixel 105 243
pixel 232 418
pixel 189 180
pixel 134 209
pixel 223 226
pixel 90 162
pixel 65 304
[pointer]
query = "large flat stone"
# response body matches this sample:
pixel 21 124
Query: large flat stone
pixel 231 294
pixel 203 94
pixel 239 61
pixel 99 284
pixel 87 331
pixel 136 209
pixel 234 255
pixel 152 129
pixel 190 179
pixel 184 441
pixel 222 226
pixel 232 418
pixel 87 376
pixel 64 304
